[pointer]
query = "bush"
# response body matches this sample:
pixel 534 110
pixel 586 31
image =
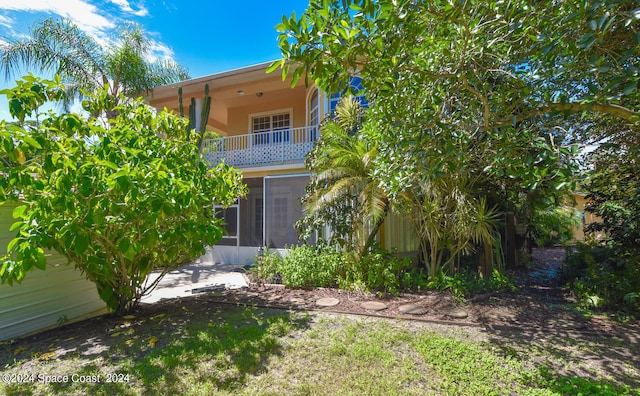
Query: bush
pixel 382 272
pixel 468 282
pixel 303 266
pixel 268 268
pixel 604 276
pixel 311 266
pixel 118 201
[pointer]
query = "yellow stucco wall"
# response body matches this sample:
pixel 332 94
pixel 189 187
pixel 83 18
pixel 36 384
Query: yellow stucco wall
pixel 581 201
pixel 278 100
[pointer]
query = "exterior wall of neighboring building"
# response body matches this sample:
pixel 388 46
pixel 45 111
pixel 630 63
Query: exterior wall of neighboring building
pixel 588 218
pixel 44 299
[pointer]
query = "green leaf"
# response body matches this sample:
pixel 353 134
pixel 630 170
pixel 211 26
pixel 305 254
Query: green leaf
pixel 19 212
pixel 630 87
pixel 41 261
pixel 82 242
pixel 273 66
pixel 108 164
pixel 12 244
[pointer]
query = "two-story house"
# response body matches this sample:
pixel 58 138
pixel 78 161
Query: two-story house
pixel 266 130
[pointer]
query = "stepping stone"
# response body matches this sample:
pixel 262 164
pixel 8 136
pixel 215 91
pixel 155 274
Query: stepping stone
pixel 412 309
pixel 457 313
pixel 327 302
pixel 296 300
pixel 499 315
pixel 373 306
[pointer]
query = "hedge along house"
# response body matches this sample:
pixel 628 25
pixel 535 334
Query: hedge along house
pixel 266 129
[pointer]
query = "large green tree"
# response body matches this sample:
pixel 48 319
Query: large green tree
pixel 118 201
pixel 123 65
pixel 490 90
pixel 484 63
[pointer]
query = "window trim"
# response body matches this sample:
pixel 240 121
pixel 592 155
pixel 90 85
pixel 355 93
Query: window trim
pixel 251 116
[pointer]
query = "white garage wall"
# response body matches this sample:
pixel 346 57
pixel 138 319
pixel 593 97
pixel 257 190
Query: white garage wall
pixel 44 299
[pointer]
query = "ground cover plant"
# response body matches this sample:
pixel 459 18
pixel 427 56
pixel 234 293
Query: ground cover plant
pixel 197 346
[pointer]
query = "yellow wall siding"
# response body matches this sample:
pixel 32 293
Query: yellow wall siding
pixel 44 298
pixel 398 233
pixel 279 100
pixel 588 218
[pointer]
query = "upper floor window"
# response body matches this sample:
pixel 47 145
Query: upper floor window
pixel 355 84
pixel 271 128
pixel 271 122
pixel 314 109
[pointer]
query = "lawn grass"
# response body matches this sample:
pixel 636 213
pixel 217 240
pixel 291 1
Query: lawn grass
pixel 247 351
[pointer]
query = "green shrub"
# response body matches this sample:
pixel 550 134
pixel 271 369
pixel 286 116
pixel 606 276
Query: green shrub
pixel 303 266
pixel 268 267
pixel 468 282
pixel 117 201
pixel 604 276
pixel 311 266
pixel 382 272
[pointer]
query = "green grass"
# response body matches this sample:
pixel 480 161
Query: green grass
pixel 268 352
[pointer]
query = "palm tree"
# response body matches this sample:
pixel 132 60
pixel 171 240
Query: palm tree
pixel 59 46
pixel 343 184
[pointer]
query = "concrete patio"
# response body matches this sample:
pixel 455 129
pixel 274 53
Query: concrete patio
pixel 200 276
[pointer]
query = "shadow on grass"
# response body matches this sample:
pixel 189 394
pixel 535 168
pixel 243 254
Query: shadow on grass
pixel 184 346
pixel 576 362
pixel 574 385
pixel 219 356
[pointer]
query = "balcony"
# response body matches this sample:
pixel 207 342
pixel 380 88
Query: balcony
pixel 283 146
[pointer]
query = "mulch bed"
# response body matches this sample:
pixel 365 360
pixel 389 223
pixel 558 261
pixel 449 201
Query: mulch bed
pixel 541 302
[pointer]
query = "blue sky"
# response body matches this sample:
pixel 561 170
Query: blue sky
pixel 206 36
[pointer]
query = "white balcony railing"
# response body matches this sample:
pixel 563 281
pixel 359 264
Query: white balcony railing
pixel 262 149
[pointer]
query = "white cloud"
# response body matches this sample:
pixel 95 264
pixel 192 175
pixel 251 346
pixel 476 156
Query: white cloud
pixel 83 14
pixel 126 7
pixel 160 51
pixel 6 21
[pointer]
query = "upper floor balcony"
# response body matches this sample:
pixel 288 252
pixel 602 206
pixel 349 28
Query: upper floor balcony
pixel 276 147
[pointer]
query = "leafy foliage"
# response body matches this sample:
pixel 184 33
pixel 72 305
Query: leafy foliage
pixel 604 276
pixel 468 111
pixel 311 266
pixel 303 266
pixel 614 193
pixel 607 273
pixel 483 63
pixel 382 272
pixel 118 200
pixel 343 192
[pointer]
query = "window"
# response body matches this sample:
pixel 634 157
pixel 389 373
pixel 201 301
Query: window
pixel 355 85
pixel 314 109
pixel 272 128
pixel 229 217
pixel 314 115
